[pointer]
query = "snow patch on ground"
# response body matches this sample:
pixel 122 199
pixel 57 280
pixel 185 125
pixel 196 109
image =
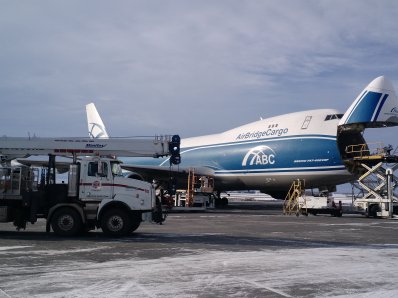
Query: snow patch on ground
pixel 309 272
pixel 14 247
pixel 47 252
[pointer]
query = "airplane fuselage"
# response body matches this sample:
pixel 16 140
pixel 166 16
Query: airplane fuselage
pixel 269 154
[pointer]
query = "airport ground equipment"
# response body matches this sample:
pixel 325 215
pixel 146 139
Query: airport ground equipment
pixel 292 204
pixel 323 204
pixel 199 194
pixel 377 180
pixel 97 194
pixel 298 202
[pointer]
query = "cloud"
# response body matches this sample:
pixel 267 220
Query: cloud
pixel 185 67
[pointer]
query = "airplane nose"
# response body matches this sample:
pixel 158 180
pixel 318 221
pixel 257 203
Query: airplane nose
pixel 381 84
pixel 376 106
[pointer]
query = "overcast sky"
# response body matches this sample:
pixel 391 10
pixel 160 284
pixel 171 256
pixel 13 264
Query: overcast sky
pixel 187 67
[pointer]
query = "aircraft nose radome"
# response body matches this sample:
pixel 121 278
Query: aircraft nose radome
pixel 381 84
pixel 375 106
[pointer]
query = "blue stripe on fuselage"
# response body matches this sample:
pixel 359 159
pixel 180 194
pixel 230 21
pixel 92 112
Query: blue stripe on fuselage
pixel 279 154
pixel 281 170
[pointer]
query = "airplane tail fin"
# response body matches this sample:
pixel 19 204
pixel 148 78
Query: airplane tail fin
pixel 96 128
pixel 375 106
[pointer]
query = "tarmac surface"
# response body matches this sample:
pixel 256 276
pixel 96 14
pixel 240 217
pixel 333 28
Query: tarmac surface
pixel 241 251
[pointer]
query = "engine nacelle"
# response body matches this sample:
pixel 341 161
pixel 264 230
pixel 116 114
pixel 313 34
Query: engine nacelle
pixel 136 176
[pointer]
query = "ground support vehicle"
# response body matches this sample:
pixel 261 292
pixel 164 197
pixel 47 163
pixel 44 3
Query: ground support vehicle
pixel 375 206
pixel 96 194
pixel 377 180
pixel 320 205
pixel 199 194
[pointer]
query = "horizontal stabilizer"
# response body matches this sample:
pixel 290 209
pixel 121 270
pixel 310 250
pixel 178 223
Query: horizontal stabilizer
pixel 376 106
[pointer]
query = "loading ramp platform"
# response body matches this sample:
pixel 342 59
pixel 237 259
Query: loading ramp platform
pixel 376 179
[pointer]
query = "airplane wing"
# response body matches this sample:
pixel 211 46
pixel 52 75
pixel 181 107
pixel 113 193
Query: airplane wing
pixel 160 173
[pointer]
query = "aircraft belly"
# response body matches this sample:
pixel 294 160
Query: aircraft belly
pixel 283 180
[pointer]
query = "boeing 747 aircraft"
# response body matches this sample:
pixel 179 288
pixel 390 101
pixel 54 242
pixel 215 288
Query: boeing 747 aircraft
pixel 269 154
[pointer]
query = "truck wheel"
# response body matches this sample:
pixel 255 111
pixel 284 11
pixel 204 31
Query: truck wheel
pixel 66 222
pixel 116 222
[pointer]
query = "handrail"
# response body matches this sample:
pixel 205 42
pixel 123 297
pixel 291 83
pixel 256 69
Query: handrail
pixel 361 150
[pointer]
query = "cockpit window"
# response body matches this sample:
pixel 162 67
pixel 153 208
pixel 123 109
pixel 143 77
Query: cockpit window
pixel 334 116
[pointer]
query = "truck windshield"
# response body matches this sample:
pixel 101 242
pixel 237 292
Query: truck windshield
pixel 116 169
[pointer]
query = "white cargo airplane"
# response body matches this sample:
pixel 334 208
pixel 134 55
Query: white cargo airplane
pixel 269 154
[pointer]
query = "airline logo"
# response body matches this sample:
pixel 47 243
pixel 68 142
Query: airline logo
pixel 394 110
pixel 260 155
pixel 97 131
